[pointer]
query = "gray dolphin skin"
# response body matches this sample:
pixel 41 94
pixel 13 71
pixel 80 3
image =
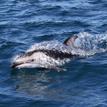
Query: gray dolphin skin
pixel 42 57
pixel 70 40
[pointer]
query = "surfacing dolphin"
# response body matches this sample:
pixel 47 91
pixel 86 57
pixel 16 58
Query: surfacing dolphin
pixel 49 55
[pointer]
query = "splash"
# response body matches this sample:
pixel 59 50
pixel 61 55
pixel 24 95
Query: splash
pixel 85 45
pixel 89 44
pixel 50 45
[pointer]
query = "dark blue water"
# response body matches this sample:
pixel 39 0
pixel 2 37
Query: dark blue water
pixel 24 22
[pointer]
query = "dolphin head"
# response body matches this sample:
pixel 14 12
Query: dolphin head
pixel 26 60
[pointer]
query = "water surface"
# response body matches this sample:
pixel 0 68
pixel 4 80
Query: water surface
pixel 25 22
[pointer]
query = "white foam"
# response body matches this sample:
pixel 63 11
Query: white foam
pixel 85 45
pixel 89 44
pixel 50 45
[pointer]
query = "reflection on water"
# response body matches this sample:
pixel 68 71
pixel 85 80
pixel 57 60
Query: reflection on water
pixel 43 84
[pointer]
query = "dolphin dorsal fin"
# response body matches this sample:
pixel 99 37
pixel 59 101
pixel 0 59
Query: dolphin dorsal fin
pixel 70 40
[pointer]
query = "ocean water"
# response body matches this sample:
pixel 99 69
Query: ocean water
pixel 25 22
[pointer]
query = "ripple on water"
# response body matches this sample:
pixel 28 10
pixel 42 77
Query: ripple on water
pixel 24 22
